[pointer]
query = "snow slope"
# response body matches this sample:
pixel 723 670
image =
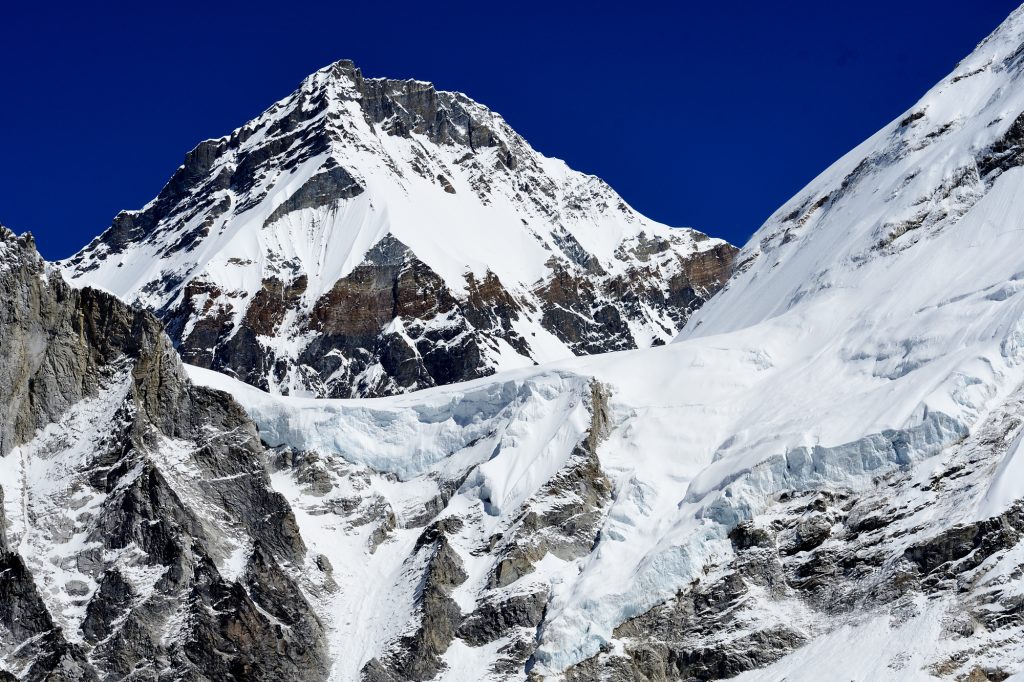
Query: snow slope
pixel 869 345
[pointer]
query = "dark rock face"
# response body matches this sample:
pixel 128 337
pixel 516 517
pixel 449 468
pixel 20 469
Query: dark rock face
pixel 580 316
pixel 31 641
pixel 568 529
pixel 418 656
pixel 156 493
pixel 323 189
pixel 391 323
pixel 964 547
pixel 1006 153
pixel 390 286
pixel 493 619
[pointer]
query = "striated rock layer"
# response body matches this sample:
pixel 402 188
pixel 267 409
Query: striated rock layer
pixel 368 237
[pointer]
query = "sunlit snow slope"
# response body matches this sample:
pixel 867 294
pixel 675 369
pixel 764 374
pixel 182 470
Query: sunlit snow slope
pixel 825 461
pixel 367 237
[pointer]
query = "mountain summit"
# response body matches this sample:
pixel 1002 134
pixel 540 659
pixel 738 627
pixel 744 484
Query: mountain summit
pixel 367 237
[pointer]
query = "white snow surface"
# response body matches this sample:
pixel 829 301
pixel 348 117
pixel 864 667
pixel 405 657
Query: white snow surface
pixel 835 353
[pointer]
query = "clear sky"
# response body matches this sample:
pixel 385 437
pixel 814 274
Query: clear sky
pixel 706 114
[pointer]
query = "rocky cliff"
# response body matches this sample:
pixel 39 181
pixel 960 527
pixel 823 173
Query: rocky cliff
pixel 141 538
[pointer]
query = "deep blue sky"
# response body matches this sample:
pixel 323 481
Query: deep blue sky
pixel 707 114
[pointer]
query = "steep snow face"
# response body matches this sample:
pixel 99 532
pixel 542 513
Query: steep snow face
pixel 371 236
pixel 902 217
pixel 885 302
pixel 831 444
pixel 898 269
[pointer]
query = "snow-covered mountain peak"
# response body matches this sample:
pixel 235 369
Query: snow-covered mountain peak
pixel 368 236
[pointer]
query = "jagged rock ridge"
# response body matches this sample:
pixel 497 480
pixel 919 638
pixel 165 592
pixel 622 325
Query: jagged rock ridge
pixel 369 236
pixel 140 536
